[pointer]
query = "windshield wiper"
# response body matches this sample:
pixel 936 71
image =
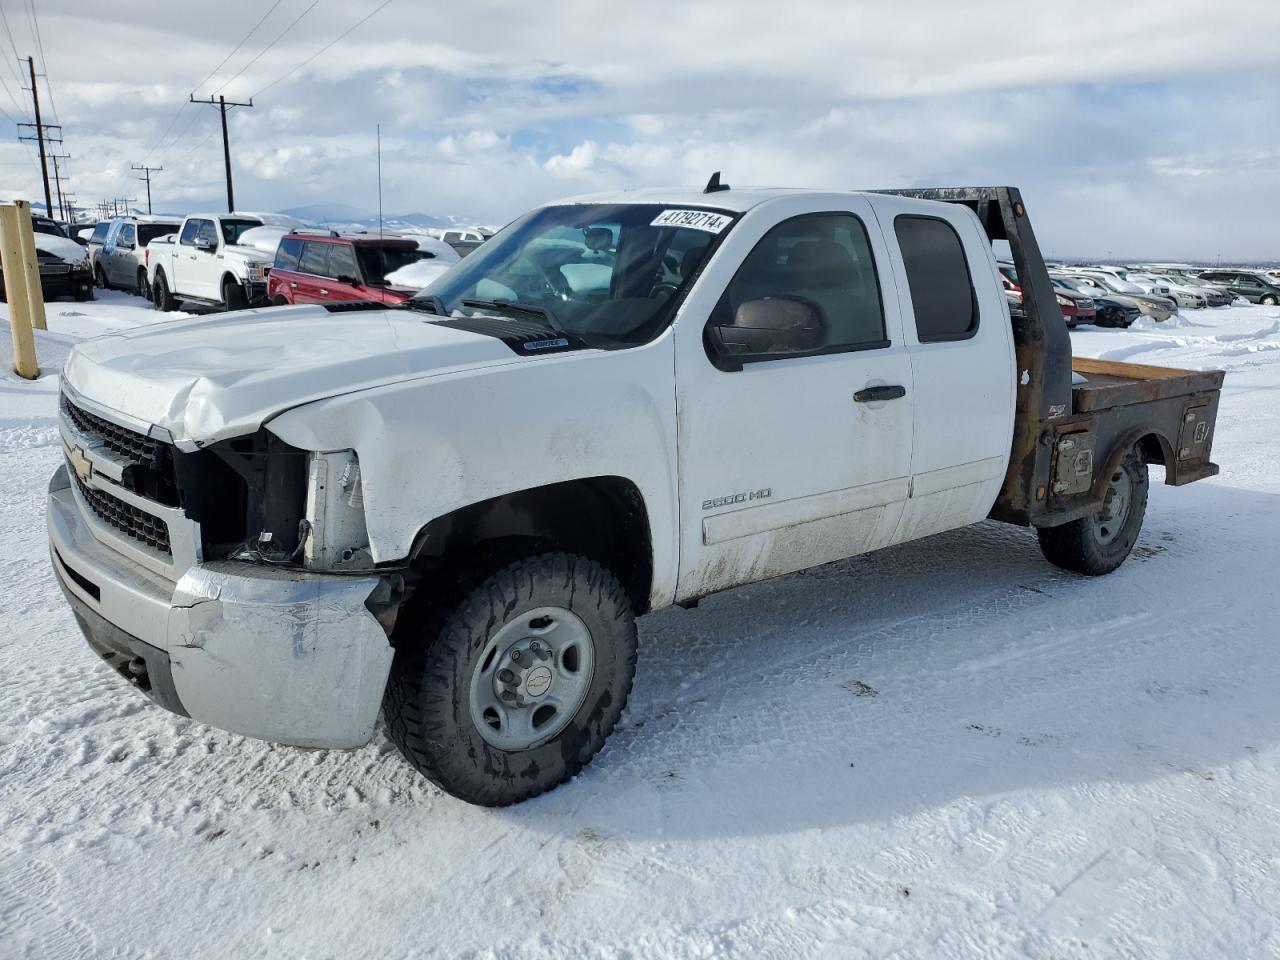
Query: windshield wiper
pixel 426 305
pixel 512 306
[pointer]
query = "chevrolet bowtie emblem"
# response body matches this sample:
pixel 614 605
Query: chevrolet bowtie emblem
pixel 80 463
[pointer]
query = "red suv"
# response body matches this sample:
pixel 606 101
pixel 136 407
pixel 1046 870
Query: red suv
pixel 330 268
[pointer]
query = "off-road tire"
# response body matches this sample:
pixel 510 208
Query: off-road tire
pixel 1078 546
pixel 427 701
pixel 161 298
pixel 233 295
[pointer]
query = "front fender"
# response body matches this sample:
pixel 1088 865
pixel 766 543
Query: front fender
pixel 431 446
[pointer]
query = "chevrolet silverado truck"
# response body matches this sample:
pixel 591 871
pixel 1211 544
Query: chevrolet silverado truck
pixel 206 265
pixel 452 511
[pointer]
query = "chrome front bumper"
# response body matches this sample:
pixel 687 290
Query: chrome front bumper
pixel 282 655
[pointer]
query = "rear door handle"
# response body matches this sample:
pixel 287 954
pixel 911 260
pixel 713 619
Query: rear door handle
pixel 882 392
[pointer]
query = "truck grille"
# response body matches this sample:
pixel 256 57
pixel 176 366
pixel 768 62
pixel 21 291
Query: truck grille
pixel 132 521
pixel 134 446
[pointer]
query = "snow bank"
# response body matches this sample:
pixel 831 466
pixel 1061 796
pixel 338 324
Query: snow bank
pixel 943 749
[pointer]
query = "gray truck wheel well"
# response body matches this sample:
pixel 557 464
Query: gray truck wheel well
pixel 602 518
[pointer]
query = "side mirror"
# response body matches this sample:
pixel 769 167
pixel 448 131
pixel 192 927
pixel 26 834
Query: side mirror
pixel 766 329
pixel 205 244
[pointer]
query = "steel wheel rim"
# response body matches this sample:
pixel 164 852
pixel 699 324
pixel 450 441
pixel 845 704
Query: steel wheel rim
pixel 531 678
pixel 1110 520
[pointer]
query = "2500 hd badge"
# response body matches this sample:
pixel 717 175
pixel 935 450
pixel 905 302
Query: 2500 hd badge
pixel 763 494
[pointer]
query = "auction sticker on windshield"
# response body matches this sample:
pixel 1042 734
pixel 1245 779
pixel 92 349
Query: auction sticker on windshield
pixel 693 219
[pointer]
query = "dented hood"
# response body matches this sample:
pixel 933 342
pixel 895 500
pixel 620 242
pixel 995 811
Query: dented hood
pixel 210 378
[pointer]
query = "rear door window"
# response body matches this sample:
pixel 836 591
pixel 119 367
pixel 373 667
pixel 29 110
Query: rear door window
pixel 942 294
pixel 127 236
pixel 314 259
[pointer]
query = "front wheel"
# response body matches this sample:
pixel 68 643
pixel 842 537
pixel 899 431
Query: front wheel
pixel 233 295
pixel 100 278
pixel 516 687
pixel 1100 542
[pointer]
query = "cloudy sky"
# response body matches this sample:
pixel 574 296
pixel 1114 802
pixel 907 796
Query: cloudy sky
pixel 1137 128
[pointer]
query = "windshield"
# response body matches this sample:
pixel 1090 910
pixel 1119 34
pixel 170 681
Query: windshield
pixel 232 229
pixel 605 273
pixel 377 262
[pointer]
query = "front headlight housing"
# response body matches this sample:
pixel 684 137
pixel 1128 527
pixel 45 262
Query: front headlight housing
pixel 1063 301
pixel 336 537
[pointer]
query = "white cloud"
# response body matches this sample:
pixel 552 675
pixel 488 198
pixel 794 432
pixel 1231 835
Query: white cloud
pixel 1130 126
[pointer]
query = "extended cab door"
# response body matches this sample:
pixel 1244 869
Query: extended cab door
pixel 960 340
pixel 800 456
pixel 194 266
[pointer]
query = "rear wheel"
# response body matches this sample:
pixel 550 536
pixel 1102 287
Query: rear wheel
pixel 160 295
pixel 140 285
pixel 233 296
pixel 1269 300
pixel 1100 542
pixel 514 688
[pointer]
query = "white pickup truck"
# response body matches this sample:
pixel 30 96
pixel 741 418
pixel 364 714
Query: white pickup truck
pixel 285 521
pixel 205 264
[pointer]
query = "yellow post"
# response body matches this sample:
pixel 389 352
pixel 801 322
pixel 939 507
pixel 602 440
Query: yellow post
pixel 15 288
pixel 35 292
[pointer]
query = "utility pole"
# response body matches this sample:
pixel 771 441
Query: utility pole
pixel 146 177
pixel 221 103
pixel 39 137
pixel 57 181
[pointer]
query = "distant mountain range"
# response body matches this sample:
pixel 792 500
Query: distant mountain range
pixel 346 215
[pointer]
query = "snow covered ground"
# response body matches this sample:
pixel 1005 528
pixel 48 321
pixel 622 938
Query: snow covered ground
pixel 946 749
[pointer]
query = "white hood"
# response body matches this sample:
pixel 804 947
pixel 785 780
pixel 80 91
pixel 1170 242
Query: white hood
pixel 68 250
pixel 210 378
pixel 248 253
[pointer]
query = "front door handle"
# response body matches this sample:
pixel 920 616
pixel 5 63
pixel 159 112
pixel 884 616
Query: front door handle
pixel 882 392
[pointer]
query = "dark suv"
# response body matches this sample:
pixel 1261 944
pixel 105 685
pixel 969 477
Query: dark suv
pixel 329 268
pixel 1254 286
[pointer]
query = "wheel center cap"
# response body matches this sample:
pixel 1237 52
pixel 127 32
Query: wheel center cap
pixel 537 681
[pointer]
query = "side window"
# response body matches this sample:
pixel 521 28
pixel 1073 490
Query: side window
pixel 942 293
pixel 342 262
pixel 287 253
pixel 808 287
pixel 189 231
pixel 314 259
pixel 208 232
pixel 100 232
pixel 127 236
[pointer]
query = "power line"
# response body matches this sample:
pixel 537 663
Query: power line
pixel 261 52
pixel 44 61
pixel 340 36
pixel 242 42
pixel 160 141
pixel 4 19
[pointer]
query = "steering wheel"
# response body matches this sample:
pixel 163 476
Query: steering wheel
pixel 554 281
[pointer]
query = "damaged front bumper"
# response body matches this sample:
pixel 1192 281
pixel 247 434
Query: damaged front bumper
pixel 279 654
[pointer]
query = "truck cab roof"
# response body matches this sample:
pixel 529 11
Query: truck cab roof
pixel 736 199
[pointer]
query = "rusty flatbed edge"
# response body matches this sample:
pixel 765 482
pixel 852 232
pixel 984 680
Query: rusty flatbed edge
pixel 1112 383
